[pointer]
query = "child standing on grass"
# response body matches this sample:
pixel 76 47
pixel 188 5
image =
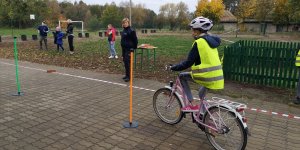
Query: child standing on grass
pixel 111 36
pixel 297 63
pixel 59 39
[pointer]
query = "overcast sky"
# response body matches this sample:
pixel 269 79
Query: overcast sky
pixel 151 4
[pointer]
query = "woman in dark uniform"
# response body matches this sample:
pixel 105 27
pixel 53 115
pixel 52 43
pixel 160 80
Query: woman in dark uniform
pixel 70 36
pixel 129 42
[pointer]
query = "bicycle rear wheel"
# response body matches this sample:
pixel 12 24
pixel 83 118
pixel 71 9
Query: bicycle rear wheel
pixel 166 106
pixel 234 136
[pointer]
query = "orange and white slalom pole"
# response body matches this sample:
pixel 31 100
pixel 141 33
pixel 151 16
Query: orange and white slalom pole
pixel 131 124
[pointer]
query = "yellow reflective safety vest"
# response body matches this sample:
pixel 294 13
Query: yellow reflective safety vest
pixel 297 62
pixel 209 73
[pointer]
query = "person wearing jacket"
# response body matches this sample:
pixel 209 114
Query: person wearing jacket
pixel 297 64
pixel 43 31
pixel 204 60
pixel 111 37
pixel 59 39
pixel 70 36
pixel 129 42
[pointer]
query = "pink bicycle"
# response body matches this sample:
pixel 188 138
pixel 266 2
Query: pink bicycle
pixel 223 121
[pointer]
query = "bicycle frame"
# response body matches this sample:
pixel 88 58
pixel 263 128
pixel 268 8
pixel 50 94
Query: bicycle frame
pixel 178 90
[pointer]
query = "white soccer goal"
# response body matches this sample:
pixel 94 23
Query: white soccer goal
pixel 82 23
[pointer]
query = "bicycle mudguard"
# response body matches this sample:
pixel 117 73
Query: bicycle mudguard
pixel 229 108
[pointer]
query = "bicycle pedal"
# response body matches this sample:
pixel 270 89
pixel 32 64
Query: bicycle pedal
pixel 201 117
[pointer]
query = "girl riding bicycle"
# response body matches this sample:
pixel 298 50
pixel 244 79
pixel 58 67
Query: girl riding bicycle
pixel 204 60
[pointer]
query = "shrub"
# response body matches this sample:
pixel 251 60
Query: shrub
pixel 94 24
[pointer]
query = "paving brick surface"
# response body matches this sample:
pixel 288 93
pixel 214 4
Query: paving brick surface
pixel 73 111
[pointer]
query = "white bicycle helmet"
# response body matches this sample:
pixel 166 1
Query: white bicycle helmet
pixel 201 23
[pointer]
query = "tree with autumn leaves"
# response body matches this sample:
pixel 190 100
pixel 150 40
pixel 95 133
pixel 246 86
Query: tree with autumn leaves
pixel 173 16
pixel 286 12
pixel 212 9
pixel 281 12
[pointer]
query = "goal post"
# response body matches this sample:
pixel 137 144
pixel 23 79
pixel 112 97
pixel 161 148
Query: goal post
pixel 82 24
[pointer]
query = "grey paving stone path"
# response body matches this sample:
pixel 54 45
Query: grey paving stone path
pixel 80 110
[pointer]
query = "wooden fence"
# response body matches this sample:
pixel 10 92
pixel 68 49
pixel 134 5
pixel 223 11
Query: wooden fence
pixel 262 62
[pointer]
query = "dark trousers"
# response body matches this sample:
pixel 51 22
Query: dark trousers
pixel 43 38
pixel 298 85
pixel 126 60
pixel 70 40
pixel 60 45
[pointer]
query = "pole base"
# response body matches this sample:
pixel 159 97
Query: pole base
pixel 18 94
pixel 133 124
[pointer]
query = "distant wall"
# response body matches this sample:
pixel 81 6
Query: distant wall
pixel 229 26
pixel 256 27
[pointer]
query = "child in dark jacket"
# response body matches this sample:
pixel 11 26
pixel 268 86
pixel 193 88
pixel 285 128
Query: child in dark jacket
pixel 54 35
pixel 59 39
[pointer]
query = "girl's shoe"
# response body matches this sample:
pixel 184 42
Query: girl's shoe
pixel 190 108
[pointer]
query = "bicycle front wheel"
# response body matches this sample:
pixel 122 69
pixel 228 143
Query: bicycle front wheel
pixel 166 106
pixel 233 135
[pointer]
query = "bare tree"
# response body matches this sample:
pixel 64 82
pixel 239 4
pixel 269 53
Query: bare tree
pixel 264 9
pixel 183 15
pixel 138 13
pixel 168 12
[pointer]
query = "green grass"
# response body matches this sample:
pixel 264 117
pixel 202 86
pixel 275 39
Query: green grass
pixel 175 46
pixel 32 31
pixel 167 45
pixel 92 53
pixel 171 46
pixel 17 32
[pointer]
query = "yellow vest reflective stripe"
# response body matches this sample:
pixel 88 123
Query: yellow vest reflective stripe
pixel 209 79
pixel 207 69
pixel 297 62
pixel 209 73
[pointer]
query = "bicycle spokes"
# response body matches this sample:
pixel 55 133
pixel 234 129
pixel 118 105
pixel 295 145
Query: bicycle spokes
pixel 167 106
pixel 230 132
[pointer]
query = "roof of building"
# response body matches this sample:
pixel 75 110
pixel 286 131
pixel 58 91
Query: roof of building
pixel 228 17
